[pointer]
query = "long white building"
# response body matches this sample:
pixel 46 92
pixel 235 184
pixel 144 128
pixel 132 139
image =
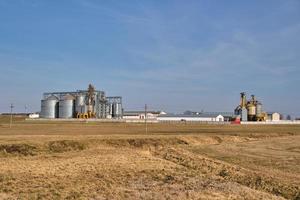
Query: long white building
pixel 200 117
pixel 140 115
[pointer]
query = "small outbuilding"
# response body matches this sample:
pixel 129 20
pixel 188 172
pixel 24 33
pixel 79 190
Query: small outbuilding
pixel 33 115
pixel 273 116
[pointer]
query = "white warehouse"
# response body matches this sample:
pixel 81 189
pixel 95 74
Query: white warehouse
pixel 193 118
pixel 140 115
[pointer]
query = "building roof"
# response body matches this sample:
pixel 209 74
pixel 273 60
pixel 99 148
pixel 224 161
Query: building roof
pixel 224 114
pixel 133 113
pixel 202 115
pixel 271 113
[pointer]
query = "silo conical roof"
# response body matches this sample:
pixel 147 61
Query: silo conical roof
pixel 52 97
pixel 68 97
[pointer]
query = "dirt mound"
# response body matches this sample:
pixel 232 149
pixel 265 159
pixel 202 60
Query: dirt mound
pixel 65 145
pixel 18 149
pixel 146 142
pixel 229 172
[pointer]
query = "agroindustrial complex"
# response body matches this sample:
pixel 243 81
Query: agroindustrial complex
pixel 85 104
pixel 94 104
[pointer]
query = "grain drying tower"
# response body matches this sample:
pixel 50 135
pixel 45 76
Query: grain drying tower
pixel 85 104
pixel 250 110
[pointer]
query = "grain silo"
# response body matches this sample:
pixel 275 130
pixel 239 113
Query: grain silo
pixel 49 107
pixel 67 107
pixel 80 105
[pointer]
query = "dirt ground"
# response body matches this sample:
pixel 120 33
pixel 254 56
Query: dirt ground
pixel 55 160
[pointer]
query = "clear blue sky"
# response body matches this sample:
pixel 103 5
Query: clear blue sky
pixel 172 55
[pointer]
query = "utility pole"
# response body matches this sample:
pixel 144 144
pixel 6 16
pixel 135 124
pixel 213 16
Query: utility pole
pixel 146 119
pixel 11 109
pixel 25 109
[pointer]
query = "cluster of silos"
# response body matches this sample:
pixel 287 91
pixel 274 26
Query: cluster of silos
pixel 114 107
pixel 254 109
pixel 250 110
pixel 54 107
pixel 78 105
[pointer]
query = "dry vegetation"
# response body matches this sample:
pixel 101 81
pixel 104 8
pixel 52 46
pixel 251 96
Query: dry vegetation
pixel 43 160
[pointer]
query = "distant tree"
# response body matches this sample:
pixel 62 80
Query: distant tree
pixel 188 112
pixel 281 117
pixel 288 117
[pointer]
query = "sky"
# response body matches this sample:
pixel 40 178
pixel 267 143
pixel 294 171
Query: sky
pixel 172 55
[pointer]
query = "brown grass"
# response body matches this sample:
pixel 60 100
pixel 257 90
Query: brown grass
pixel 53 160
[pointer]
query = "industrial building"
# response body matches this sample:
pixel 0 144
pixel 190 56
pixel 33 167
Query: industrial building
pixel 138 115
pixel 203 117
pixel 250 110
pixel 85 104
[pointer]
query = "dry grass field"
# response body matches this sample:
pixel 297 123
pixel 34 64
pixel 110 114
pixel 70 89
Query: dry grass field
pixel 56 160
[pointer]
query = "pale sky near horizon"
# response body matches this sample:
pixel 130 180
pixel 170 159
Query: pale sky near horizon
pixel 173 55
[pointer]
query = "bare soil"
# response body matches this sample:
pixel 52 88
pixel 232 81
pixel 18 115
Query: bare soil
pixel 58 160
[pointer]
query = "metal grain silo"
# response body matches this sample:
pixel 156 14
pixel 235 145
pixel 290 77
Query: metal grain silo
pixel 258 109
pixel 251 109
pixel 113 110
pixel 244 114
pixel 66 107
pixel 49 108
pixel 110 109
pixel 118 110
pixel 80 104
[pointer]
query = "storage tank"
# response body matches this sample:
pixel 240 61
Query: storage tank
pixel 244 114
pixel 66 107
pixel 80 104
pixel 114 110
pixel 49 107
pixel 118 110
pixel 110 109
pixel 258 109
pixel 251 109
